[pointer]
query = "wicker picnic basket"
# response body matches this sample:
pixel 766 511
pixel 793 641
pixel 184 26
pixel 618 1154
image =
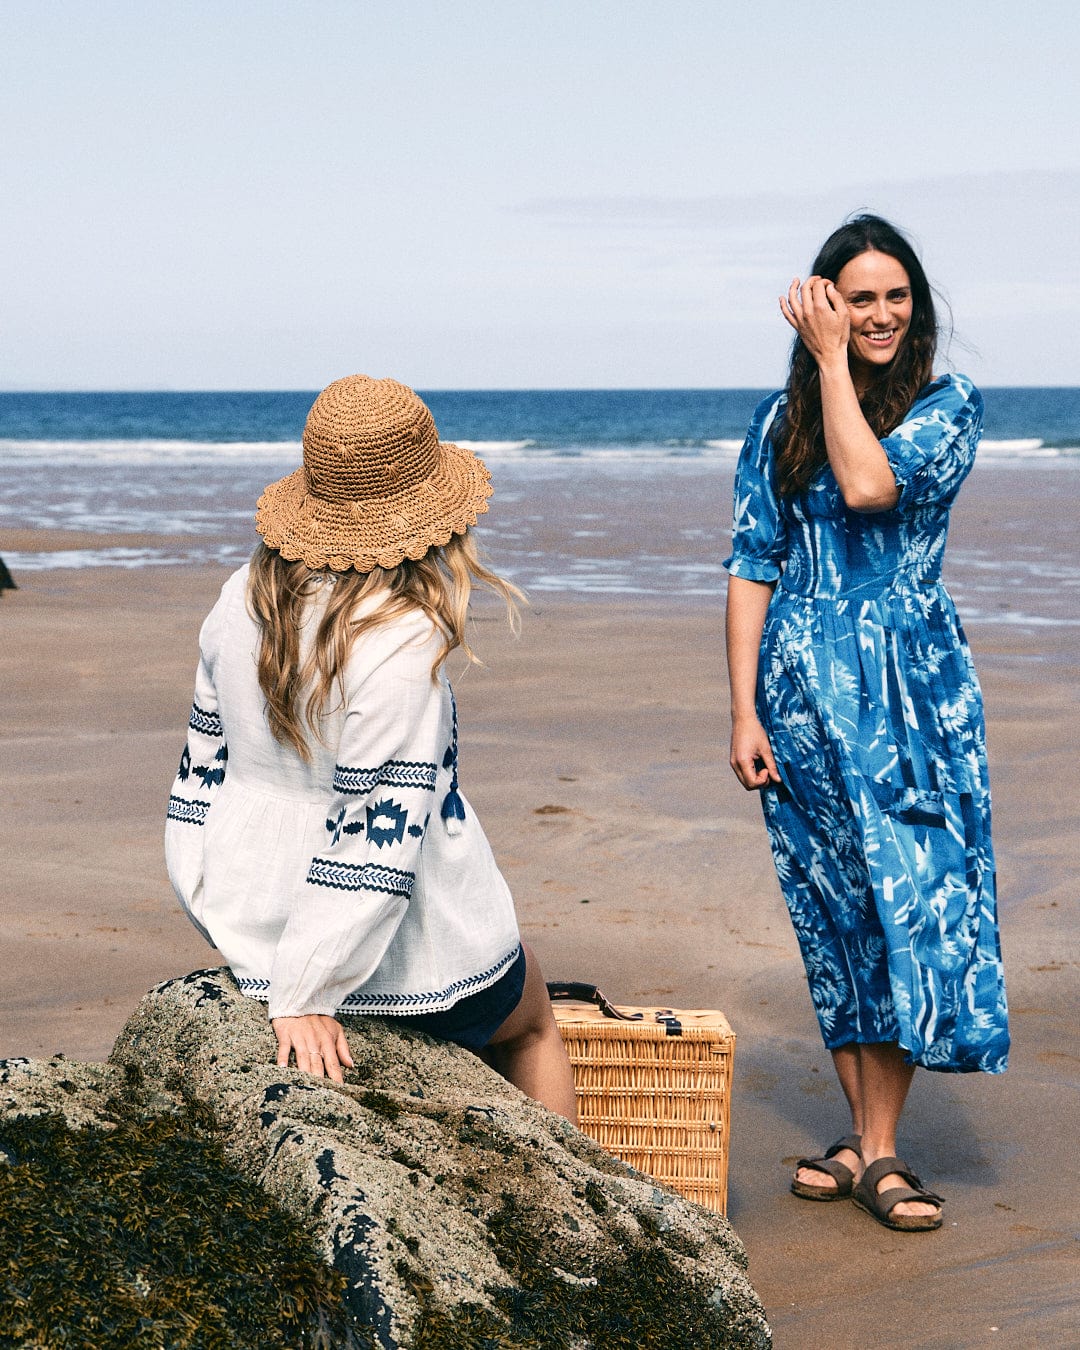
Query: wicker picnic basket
pixel 653 1087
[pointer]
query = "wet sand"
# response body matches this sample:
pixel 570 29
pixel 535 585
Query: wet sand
pixel 593 748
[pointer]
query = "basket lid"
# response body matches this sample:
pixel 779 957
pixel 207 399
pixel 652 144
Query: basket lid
pixel 689 1019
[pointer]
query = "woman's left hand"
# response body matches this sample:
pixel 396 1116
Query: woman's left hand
pixel 817 312
pixel 318 1042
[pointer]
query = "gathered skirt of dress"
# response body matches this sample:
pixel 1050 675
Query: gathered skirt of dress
pixel 880 829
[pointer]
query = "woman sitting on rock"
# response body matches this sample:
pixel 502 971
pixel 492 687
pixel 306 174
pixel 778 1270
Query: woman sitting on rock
pixel 316 832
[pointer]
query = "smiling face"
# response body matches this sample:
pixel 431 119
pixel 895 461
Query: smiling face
pixel 877 291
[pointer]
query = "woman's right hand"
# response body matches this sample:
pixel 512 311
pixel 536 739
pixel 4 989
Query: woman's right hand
pixel 751 754
pixel 817 312
pixel 317 1042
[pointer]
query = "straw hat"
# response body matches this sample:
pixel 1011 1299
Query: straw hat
pixel 376 486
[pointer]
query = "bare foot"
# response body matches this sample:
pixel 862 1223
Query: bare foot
pixel 906 1208
pixel 810 1176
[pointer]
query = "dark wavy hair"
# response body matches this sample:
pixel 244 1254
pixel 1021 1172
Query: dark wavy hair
pixel 799 437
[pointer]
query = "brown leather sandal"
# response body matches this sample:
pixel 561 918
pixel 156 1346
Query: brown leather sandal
pixel 865 1194
pixel 840 1172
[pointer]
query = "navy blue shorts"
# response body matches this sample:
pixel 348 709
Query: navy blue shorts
pixel 473 1020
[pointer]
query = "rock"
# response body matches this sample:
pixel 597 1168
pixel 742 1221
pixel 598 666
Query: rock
pixel 83 1094
pixel 80 1093
pixel 462 1213
pixel 123 1224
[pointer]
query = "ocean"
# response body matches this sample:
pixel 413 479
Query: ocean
pixel 634 424
pixel 188 467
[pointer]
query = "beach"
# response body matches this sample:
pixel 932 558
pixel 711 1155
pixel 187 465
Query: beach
pixel 594 750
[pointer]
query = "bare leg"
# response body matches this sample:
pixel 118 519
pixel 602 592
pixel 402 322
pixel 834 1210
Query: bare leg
pixel 847 1063
pixel 885 1082
pixel 875 1081
pixel 528 1050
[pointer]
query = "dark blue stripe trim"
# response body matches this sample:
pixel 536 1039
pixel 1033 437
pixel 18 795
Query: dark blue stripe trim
pixel 399 773
pixel 187 812
pixel 353 782
pixel 409 773
pixel 435 1001
pixel 208 723
pixel 403 1004
pixel 345 876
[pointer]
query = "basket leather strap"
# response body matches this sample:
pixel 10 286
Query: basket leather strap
pixel 588 993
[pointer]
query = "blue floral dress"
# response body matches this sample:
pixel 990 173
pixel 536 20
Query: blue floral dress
pixel 880 829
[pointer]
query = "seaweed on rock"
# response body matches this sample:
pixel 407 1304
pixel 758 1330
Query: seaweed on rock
pixel 144 1235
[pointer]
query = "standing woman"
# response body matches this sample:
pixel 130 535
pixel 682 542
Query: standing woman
pixel 855 707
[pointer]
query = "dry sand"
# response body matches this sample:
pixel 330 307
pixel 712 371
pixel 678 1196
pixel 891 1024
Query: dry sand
pixel 594 749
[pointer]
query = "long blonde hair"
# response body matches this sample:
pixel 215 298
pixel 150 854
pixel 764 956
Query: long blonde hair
pixel 297 690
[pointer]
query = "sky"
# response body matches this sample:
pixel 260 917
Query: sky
pixel 256 194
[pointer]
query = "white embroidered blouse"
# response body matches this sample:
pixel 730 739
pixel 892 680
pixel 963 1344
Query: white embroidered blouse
pixel 360 881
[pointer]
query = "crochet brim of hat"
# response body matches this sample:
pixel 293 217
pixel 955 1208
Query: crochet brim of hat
pixel 381 532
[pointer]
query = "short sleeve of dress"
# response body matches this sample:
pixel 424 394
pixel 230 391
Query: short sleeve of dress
pixel 759 531
pixel 933 450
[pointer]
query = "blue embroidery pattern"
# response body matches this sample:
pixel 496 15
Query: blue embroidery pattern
pixel 213 775
pixel 405 773
pixel 435 1001
pixel 881 829
pixel 208 723
pixel 345 876
pixel 335 827
pixel 187 812
pixel 400 1005
pixel 354 782
pixel 396 773
pixel 386 823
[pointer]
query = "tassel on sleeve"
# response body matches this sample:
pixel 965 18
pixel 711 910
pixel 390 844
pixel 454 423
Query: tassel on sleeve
pixel 453 808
